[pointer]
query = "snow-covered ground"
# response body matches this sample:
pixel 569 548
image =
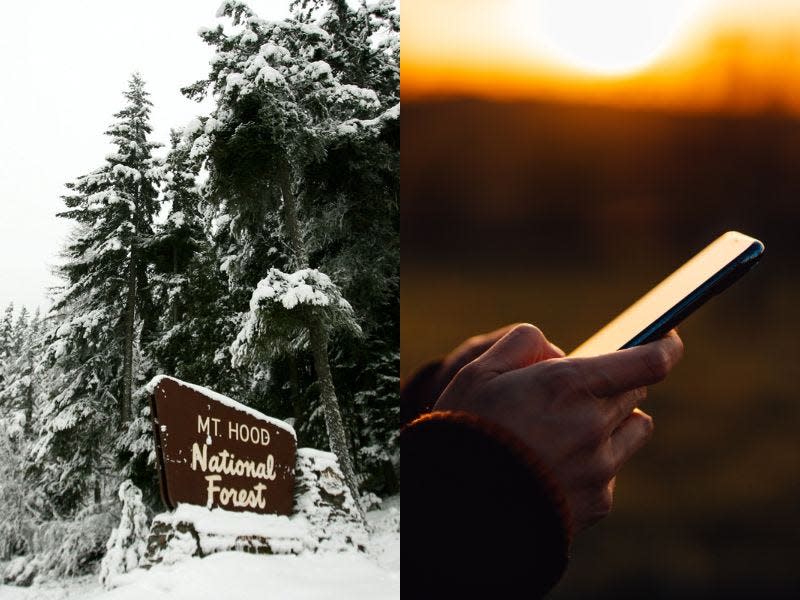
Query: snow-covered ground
pixel 374 575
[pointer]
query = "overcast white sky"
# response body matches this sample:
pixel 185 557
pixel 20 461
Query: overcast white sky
pixel 64 66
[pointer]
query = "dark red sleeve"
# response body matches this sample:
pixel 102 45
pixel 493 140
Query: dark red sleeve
pixel 480 515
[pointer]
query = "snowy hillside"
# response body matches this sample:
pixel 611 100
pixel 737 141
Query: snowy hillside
pixel 374 575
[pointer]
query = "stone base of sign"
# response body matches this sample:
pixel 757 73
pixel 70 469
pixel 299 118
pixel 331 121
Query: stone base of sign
pixel 325 518
pixel 170 542
pixel 197 531
pixel 323 498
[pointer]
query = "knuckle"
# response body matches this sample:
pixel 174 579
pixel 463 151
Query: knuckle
pixel 658 363
pixel 469 371
pixel 469 374
pixel 527 332
pixel 560 376
pixel 627 405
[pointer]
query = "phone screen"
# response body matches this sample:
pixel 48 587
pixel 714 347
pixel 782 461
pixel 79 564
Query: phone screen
pixel 726 254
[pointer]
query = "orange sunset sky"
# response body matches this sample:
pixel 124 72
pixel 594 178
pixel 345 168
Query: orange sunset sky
pixel 717 55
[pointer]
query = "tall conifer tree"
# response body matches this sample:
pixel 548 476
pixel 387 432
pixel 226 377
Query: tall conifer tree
pixel 104 303
pixel 19 387
pixel 287 94
pixel 7 332
pixel 195 323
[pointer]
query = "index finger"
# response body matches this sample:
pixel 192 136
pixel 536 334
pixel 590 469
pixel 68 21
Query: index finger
pixel 623 370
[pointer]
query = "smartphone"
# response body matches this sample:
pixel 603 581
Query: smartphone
pixel 706 274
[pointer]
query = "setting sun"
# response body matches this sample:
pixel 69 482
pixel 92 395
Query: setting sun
pixel 615 37
pixel 704 55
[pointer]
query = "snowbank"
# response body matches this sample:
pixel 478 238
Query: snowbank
pixel 238 575
pixel 370 575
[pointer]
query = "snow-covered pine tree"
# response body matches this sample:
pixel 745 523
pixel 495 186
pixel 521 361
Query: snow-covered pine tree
pixel 18 519
pixel 5 337
pixel 353 201
pixel 98 315
pixel 189 288
pixel 21 324
pixel 19 330
pixel 6 333
pixel 285 96
pixel 18 402
pixel 181 235
pixel 19 388
pixel 127 545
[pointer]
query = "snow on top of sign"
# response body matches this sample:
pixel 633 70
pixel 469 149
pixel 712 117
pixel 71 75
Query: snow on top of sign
pixel 223 400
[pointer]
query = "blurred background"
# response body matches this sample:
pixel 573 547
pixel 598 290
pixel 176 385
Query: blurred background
pixel 561 157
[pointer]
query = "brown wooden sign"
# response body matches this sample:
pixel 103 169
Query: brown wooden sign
pixel 216 452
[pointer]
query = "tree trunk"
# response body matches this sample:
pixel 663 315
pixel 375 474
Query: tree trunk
pixel 28 428
pixel 319 346
pixel 130 315
pixel 299 257
pixel 127 340
pixel 174 308
pixel 294 388
pixel 330 406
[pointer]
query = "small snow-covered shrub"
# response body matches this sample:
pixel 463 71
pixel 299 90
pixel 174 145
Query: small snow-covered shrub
pixel 15 537
pixel 22 570
pixel 369 501
pixel 18 520
pixel 73 547
pixel 127 544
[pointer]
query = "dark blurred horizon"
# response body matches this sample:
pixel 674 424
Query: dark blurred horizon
pixel 562 215
pixel 500 168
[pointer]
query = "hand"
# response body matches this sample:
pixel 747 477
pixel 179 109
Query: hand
pixel 578 415
pixel 473 347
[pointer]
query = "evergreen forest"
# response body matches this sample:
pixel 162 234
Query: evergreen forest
pixel 254 252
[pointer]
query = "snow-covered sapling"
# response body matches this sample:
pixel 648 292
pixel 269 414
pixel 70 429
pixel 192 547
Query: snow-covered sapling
pixel 128 542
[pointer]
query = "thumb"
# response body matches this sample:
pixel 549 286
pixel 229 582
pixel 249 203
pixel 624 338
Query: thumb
pixel 524 345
